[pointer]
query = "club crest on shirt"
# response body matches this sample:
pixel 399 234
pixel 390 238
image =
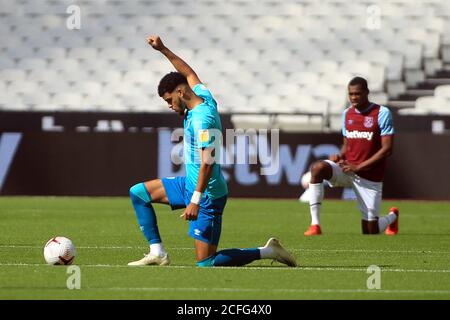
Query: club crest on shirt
pixel 368 122
pixel 350 121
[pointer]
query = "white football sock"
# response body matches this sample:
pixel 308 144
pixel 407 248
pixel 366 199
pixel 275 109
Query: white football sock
pixel 315 201
pixel 157 249
pixel 266 253
pixel 385 221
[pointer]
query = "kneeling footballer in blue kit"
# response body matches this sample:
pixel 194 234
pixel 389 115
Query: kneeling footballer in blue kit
pixel 203 191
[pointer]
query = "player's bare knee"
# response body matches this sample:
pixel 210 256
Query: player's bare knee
pixel 320 170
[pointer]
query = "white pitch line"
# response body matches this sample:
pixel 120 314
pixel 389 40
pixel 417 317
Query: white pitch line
pixel 189 249
pixel 155 289
pixel 268 268
pixel 371 250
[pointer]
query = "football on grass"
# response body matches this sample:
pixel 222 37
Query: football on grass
pixel 59 251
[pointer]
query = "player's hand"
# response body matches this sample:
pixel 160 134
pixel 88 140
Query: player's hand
pixel 156 42
pixel 348 167
pixel 191 212
pixel 335 158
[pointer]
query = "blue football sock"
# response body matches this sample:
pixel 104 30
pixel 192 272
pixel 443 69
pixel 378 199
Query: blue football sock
pixel 231 258
pixel 144 212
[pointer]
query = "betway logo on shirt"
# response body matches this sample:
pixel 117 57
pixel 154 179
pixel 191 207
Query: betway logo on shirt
pixel 355 134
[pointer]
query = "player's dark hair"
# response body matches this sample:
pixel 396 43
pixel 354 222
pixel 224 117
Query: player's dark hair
pixel 359 81
pixel 170 81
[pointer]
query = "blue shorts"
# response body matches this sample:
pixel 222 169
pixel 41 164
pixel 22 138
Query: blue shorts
pixel 208 225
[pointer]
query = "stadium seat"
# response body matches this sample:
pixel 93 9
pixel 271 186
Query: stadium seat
pixel 375 74
pixel 114 53
pixel 61 85
pixel 47 107
pixel 305 103
pixel 339 79
pixel 103 102
pixel 67 100
pixel 50 53
pixel 250 88
pixel 103 42
pixel 245 54
pixel 271 22
pixel 341 55
pixel 20 52
pixel 258 121
pixel 97 65
pixel 31 100
pixel 75 75
pixel 268 102
pixel 429 40
pixel 321 66
pixel 127 64
pixel 231 101
pixel 23 87
pixel 123 89
pixel 10 101
pixel 327 45
pixel 73 41
pixel 32 64
pixel 303 78
pixel 299 123
pixel 284 89
pixel 7 63
pixel 137 76
pixel 107 76
pixel 49 21
pixel 155 104
pixel 379 97
pixel 442 91
pixel 43 75
pixel 15 75
pixel 122 30
pixel 90 88
pixel 64 64
pixel 83 53
pixel 272 56
pixel 433 105
pixel 134 101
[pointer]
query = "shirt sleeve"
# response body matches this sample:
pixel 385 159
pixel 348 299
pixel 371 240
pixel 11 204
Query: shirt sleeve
pixel 203 92
pixel 385 122
pixel 344 132
pixel 204 131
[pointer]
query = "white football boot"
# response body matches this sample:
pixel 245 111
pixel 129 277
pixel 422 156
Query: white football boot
pixel 149 260
pixel 280 254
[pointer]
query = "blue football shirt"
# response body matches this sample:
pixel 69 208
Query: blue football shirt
pixel 203 129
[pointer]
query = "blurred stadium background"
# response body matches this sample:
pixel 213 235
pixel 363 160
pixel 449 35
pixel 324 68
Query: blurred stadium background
pixel 270 64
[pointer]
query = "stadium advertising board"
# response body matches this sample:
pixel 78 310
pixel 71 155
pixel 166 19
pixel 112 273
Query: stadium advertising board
pixel 103 155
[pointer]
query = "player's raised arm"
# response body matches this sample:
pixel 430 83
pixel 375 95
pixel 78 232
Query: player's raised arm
pixel 180 65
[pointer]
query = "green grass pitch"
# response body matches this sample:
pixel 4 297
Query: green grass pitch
pixel 414 264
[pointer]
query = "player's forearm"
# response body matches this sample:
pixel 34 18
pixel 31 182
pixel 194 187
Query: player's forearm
pixel 377 157
pixel 343 151
pixel 204 175
pixel 180 65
